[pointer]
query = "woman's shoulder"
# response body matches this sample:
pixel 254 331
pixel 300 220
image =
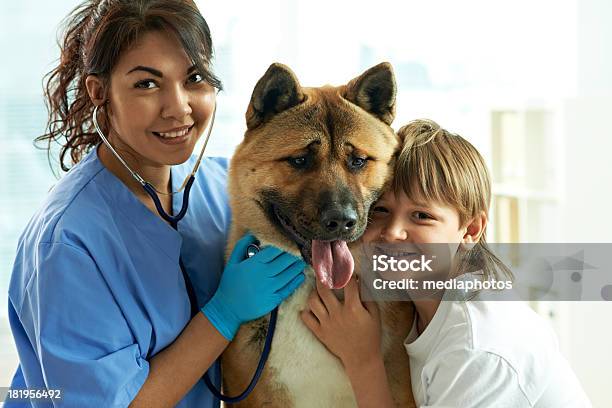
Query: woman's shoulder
pixel 221 163
pixel 210 185
pixel 65 202
pixel 63 222
pixel 215 171
pixel 210 175
pixel 218 165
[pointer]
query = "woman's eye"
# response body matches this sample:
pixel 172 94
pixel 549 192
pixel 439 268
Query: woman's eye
pixel 196 78
pixel 145 84
pixel 357 163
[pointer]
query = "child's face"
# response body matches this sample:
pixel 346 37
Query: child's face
pixel 402 220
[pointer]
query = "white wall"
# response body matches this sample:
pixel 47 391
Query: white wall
pixel 587 212
pixel 587 216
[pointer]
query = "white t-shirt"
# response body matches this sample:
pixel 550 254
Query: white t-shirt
pixel 490 354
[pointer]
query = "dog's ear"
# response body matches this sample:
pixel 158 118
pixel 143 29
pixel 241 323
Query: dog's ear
pixel 277 91
pixel 374 91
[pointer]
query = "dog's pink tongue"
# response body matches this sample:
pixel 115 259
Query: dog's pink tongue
pixel 332 262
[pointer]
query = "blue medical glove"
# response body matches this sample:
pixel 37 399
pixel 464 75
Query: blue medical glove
pixel 252 287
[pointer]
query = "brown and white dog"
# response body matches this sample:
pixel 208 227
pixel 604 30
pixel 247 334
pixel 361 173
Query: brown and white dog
pixel 312 162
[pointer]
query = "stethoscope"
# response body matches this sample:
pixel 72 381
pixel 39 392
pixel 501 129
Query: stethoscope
pixel 251 250
pixel 148 187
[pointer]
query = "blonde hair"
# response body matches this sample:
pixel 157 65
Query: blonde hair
pixel 438 166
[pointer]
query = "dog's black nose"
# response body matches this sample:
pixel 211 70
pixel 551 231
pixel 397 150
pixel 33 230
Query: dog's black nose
pixel 339 220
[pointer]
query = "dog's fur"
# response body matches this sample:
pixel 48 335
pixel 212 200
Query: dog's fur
pixel 328 126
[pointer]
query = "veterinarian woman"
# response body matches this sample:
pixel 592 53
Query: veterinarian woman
pixel 107 286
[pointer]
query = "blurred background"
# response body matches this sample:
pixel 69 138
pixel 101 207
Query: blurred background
pixel 528 82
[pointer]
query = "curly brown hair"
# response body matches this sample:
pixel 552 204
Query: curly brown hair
pixel 95 35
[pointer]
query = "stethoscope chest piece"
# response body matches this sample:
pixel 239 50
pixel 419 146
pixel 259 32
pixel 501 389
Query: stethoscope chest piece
pixel 252 250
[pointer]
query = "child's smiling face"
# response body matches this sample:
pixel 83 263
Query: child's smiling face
pixel 411 224
pixel 399 219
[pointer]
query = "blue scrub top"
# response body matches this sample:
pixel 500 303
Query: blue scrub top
pixel 97 290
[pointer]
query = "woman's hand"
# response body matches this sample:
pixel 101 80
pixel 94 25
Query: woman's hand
pixel 252 287
pixel 350 330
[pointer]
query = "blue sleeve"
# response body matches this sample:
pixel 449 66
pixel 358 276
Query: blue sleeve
pixel 81 339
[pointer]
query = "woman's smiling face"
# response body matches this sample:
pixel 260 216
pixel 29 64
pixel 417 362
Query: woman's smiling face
pixel 159 104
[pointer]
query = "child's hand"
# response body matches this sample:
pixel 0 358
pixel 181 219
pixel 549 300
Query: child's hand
pixel 349 330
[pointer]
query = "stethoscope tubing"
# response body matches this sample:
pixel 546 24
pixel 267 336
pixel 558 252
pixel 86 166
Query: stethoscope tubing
pixel 173 220
pixel 251 250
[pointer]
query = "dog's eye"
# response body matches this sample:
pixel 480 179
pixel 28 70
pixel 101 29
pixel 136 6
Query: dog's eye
pixel 298 162
pixel 357 163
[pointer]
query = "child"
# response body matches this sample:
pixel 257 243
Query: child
pixel 462 353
